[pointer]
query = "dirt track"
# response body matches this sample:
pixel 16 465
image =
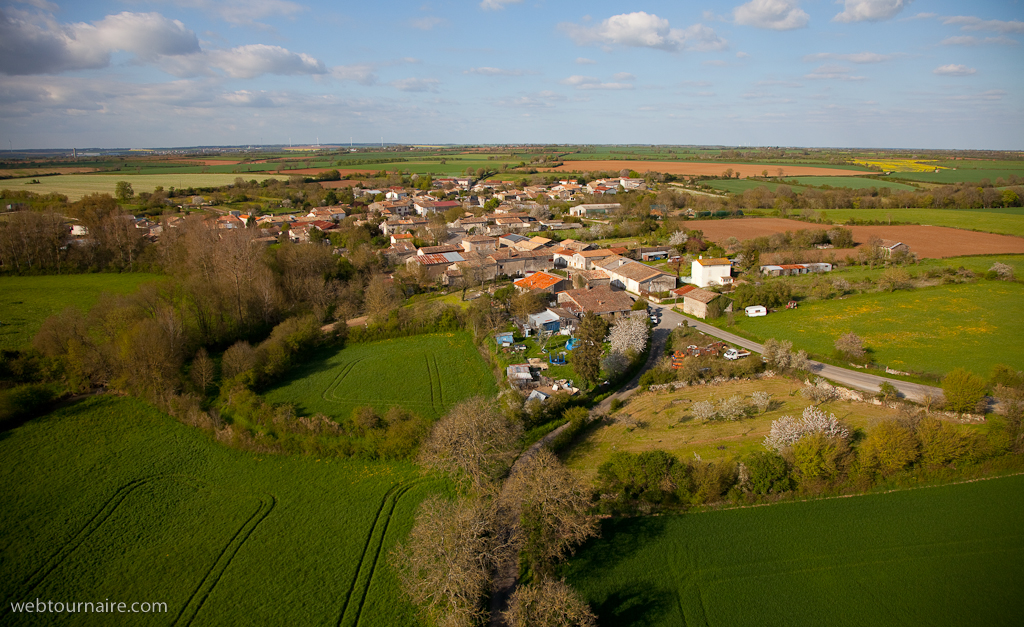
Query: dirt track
pixel 933 242
pixel 698 169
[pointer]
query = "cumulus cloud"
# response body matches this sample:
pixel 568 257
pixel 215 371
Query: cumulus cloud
pixel 495 5
pixel 771 14
pixel 856 57
pixel 833 72
pixel 416 84
pixel 258 59
pixel 954 70
pixel 870 10
pixel 590 82
pixel 643 30
pixel 43 46
pixel 493 71
pixel 975 24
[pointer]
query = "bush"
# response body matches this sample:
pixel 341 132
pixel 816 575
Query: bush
pixel 889 447
pixel 941 442
pixel 820 457
pixel 767 473
pixel 22 403
pixel 964 390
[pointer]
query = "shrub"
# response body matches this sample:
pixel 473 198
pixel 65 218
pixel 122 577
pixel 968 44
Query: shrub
pixel 767 473
pixel 850 346
pixel 821 391
pixel 889 447
pixel 893 279
pixel 941 442
pixel 820 457
pixel 964 390
pixel 762 400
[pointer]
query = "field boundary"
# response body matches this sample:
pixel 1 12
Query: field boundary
pixel 190 610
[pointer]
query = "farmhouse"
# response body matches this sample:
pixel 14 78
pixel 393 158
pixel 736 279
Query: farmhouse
pixel 711 271
pixel 603 301
pixel 696 302
pixel 542 282
pixel 636 277
pixel 593 209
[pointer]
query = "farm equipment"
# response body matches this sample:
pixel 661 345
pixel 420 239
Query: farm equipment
pixel 791 304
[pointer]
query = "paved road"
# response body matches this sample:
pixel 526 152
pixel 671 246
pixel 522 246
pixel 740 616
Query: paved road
pixel 851 378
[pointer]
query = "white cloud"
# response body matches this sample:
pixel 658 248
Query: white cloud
pixel 363 74
pixel 258 59
pixel 742 55
pixel 856 57
pixel 42 46
pixel 589 82
pixel 495 5
pixel 771 14
pixel 954 70
pixel 974 23
pixel 585 61
pixel 833 72
pixel 426 23
pixel 970 40
pixel 544 99
pixel 624 76
pixel 493 71
pixel 416 84
pixel 644 30
pixel 870 10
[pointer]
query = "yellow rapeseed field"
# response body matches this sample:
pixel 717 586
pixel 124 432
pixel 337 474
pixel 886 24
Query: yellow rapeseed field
pixel 901 165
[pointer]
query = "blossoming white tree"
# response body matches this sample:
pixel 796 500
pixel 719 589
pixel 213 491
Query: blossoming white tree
pixel 787 431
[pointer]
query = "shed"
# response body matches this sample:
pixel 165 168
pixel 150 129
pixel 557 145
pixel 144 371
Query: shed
pixel 546 320
pixel 503 338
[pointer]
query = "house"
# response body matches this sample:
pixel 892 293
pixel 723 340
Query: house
pixel 696 302
pixel 542 282
pixel 892 246
pixel 603 301
pixel 435 264
pixel 711 271
pixel 592 278
pixel 401 237
pixel 589 259
pixel 545 321
pixel 479 243
pixel 593 209
pixel 636 277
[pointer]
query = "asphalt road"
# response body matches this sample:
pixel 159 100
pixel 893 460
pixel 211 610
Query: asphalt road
pixel 850 378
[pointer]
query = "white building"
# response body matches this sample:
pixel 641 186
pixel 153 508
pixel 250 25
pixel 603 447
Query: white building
pixel 711 271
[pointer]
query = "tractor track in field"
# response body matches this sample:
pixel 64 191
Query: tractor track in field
pixel 197 599
pixel 360 586
pixel 96 522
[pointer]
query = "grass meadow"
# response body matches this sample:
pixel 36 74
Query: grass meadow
pixel 950 555
pixel 426 374
pixel 108 498
pixel 851 182
pixel 26 301
pixel 991 170
pixel 668 424
pixel 75 186
pixel 1005 221
pixel 931 329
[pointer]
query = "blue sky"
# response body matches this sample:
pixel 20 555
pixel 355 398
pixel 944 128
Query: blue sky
pixel 858 73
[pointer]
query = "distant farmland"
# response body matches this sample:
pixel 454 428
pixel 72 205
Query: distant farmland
pixel 77 185
pixel 691 168
pixel 425 374
pixel 951 555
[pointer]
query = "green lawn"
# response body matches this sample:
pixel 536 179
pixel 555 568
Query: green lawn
pixel 1005 221
pixel 952 556
pixel 25 301
pixel 111 499
pixel 425 374
pixel 933 329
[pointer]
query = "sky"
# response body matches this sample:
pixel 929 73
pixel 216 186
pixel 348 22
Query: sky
pixel 848 73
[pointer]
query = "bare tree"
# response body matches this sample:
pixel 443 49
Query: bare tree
pixel 380 297
pixel 202 370
pixel 549 603
pixel 445 565
pixel 474 443
pixel 549 507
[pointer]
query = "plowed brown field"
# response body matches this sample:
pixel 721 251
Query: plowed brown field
pixel 702 169
pixel 932 242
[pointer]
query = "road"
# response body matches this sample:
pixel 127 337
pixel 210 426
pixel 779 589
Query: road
pixel 850 378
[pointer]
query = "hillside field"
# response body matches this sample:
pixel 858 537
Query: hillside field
pixel 25 301
pixel 951 555
pixel 77 185
pixel 1006 221
pixel 932 329
pixel 110 499
pixel 425 374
